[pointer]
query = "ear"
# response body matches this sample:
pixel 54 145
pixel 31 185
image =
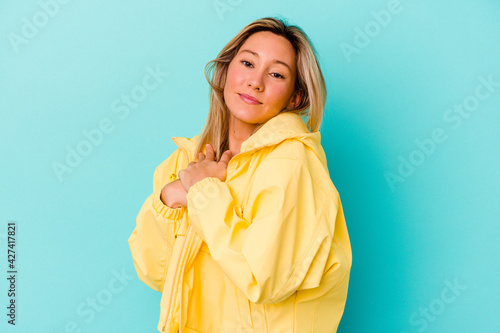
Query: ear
pixel 295 100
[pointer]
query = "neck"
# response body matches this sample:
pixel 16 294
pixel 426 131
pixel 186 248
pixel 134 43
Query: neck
pixel 238 133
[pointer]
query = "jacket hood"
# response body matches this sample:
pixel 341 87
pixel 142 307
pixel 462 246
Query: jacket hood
pixel 284 126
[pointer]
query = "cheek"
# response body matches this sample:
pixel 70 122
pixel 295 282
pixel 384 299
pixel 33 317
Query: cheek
pixel 229 86
pixel 234 76
pixel 280 94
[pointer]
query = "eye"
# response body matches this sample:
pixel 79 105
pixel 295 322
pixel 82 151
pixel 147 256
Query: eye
pixel 247 63
pixel 244 62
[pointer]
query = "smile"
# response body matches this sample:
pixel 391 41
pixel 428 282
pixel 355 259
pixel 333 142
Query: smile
pixel 249 99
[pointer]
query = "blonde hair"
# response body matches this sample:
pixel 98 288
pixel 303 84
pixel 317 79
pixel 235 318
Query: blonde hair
pixel 309 82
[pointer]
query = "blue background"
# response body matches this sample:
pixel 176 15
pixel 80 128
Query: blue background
pixel 411 239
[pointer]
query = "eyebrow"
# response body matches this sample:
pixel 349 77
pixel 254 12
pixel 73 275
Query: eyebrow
pixel 275 60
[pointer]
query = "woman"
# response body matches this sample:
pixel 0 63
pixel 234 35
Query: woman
pixel 244 230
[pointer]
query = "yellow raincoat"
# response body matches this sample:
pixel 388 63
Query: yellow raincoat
pixel 267 250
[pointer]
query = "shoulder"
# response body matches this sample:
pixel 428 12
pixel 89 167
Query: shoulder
pixel 291 148
pixel 298 150
pixel 292 155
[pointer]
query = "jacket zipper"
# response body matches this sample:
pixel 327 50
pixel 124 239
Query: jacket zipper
pixel 182 279
pixel 186 240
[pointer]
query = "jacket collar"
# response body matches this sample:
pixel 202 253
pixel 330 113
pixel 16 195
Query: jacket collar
pixel 284 126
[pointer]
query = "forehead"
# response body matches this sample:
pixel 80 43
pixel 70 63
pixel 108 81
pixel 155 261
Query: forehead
pixel 270 46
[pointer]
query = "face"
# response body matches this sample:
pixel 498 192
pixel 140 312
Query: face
pixel 261 79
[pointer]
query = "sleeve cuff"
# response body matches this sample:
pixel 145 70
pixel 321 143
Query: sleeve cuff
pixel 167 212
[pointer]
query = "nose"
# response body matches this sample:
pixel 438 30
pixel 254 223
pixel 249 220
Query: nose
pixel 255 80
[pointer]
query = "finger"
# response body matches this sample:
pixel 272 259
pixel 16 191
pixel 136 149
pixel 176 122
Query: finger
pixel 201 157
pixel 210 152
pixel 226 157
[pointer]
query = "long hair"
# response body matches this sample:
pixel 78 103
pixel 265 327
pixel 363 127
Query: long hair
pixel 309 82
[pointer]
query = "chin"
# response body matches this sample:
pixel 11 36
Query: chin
pixel 244 115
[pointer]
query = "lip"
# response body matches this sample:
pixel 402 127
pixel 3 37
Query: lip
pixel 249 99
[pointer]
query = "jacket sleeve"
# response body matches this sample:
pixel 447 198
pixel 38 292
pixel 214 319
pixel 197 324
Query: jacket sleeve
pixel 152 241
pixel 280 242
